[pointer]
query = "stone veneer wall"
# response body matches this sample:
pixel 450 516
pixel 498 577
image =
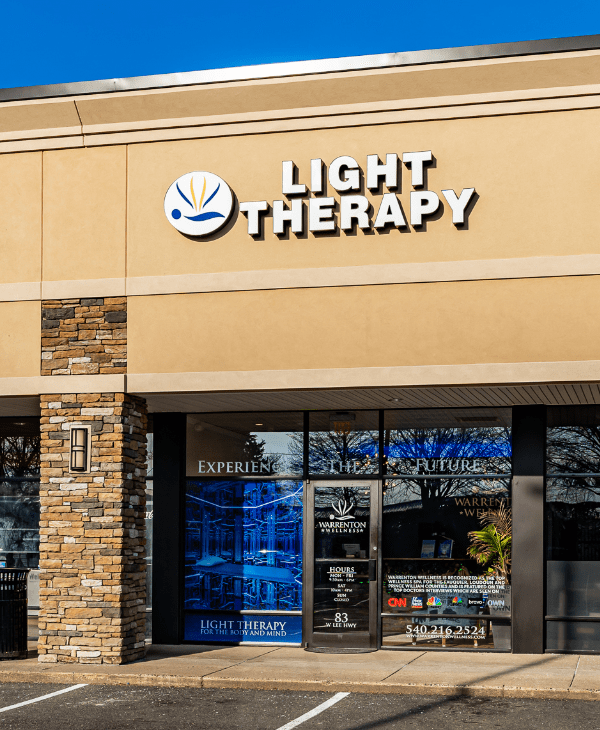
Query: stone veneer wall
pixel 92 524
pixel 84 336
pixel 92 531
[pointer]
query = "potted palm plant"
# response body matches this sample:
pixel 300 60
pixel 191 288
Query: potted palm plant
pixel 491 548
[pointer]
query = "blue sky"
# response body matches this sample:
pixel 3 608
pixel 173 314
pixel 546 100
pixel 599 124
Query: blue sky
pixel 53 42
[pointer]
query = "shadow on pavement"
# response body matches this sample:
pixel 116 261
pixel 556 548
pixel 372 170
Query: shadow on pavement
pixel 457 693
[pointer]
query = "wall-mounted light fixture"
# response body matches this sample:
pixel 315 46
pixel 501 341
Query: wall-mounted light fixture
pixel 79 456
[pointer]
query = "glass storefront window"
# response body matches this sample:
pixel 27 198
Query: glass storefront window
pixel 245 445
pixel 19 492
pixel 450 443
pixel 447 529
pixel 343 443
pixel 244 545
pixel 243 555
pixel 243 534
pixel 573 529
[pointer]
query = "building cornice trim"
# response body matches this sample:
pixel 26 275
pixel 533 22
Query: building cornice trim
pixel 480 374
pixel 24 291
pixel 318 66
pixel 77 289
pixel 426 272
pixel 400 111
pixel 473 374
pixel 50 384
pixel 368 275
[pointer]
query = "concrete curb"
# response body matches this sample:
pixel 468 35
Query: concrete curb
pixel 166 680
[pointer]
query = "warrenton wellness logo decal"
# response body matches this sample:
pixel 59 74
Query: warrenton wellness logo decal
pixel 198 203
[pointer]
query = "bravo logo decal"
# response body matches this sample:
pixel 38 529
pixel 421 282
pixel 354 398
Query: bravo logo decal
pixel 198 203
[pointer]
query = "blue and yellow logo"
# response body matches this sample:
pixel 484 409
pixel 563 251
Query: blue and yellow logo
pixel 198 203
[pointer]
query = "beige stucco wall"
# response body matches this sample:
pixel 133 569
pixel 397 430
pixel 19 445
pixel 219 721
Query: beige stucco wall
pixel 89 221
pixel 19 339
pixel 535 175
pixel 20 217
pixel 103 207
pixel 85 197
pixel 353 327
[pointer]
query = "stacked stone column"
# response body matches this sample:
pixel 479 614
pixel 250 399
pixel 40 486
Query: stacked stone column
pixel 92 523
pixel 92 545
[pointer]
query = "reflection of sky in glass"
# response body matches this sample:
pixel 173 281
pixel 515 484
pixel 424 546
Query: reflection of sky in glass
pixel 438 443
pixel 448 451
pixel 284 450
pixel 243 545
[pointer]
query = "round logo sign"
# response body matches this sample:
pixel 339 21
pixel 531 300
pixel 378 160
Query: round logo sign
pixel 198 203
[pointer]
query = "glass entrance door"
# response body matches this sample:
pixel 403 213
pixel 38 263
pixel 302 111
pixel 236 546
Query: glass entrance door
pixel 342 566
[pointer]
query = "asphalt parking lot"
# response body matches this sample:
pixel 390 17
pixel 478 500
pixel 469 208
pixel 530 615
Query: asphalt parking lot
pixel 100 707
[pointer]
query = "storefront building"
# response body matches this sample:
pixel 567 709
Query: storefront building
pixel 306 354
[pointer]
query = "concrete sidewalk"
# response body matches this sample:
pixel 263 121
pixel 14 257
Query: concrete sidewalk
pixel 552 676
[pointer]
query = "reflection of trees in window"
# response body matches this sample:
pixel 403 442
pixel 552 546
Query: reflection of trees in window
pixel 573 452
pixel 19 536
pixel 283 455
pixel 331 497
pixel 19 500
pixel 330 452
pixel 432 492
pixel 19 456
pixel 450 443
pixel 573 512
pixel 254 450
pixel 404 447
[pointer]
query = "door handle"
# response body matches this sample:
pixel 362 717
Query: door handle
pixel 372 570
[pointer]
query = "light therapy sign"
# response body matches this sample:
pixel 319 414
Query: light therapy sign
pixel 201 203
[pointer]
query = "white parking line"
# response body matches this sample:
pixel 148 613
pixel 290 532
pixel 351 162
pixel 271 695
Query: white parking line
pixel 317 711
pixel 43 697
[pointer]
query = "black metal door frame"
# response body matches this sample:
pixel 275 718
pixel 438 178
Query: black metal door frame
pixel 351 641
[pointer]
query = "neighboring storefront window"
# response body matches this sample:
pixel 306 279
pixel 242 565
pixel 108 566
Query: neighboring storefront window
pixel 243 538
pixel 149 523
pixel 447 529
pixel 19 492
pixel 343 443
pixel 573 529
